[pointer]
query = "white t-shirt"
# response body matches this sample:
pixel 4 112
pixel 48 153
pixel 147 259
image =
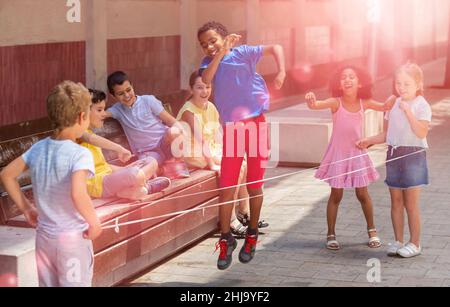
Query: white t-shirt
pixel 52 163
pixel 399 131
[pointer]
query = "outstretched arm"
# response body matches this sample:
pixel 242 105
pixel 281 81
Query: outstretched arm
pixel 373 140
pixel 277 52
pixel 379 106
pixel 314 104
pixel 171 121
pixel 96 140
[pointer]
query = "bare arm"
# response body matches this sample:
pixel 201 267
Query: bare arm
pixel 277 52
pixel 9 177
pixel 190 119
pixel 314 104
pixel 170 121
pixel 96 140
pixel 209 72
pixel 373 140
pixel 419 127
pixel 379 106
pixel 83 204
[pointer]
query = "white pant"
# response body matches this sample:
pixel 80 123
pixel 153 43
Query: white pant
pixel 64 261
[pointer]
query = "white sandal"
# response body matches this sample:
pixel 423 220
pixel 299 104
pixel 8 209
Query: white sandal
pixel 333 244
pixel 374 242
pixel 409 250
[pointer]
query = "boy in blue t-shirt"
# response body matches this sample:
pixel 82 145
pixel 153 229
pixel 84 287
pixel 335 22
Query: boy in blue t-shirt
pixel 144 121
pixel 241 97
pixel 64 216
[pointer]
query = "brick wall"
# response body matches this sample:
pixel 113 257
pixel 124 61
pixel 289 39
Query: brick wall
pixel 152 63
pixel 28 72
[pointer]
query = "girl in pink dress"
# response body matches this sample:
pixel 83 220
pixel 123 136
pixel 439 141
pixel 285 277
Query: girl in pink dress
pixel 344 165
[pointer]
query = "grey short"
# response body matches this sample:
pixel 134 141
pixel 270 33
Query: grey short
pixel 117 181
pixel 66 260
pixel 161 153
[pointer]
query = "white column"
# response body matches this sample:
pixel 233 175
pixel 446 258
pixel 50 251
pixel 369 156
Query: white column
pixel 96 43
pixel 189 51
pixel 299 28
pixel 252 12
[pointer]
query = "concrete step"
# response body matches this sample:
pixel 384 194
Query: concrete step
pixel 17 257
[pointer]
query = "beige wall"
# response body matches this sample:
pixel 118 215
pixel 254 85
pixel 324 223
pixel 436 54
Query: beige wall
pixel 423 22
pixel 34 22
pixel 318 24
pixel 229 12
pixel 143 18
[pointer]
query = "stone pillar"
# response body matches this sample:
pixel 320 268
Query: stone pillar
pixel 253 26
pixel 299 29
pixel 189 51
pixel 96 43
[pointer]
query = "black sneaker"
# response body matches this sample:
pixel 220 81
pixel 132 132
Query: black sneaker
pixel 248 249
pixel 245 220
pixel 238 231
pixel 226 253
pixel 157 184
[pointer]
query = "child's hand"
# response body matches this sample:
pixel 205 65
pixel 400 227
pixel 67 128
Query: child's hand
pixel 279 79
pixel 124 154
pixel 405 106
pixel 31 216
pixel 230 41
pixel 363 144
pixel 311 99
pixel 389 104
pixel 93 231
pixel 215 167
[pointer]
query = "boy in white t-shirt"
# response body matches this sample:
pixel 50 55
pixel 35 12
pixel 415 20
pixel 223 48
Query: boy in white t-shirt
pixel 64 216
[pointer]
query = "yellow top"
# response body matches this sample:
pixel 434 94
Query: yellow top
pixel 208 119
pixel 102 168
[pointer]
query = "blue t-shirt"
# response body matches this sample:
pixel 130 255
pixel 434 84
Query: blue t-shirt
pixel 239 92
pixel 141 123
pixel 52 163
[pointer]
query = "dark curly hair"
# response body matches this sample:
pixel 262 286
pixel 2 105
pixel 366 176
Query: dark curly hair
pixel 213 25
pixel 97 95
pixel 365 92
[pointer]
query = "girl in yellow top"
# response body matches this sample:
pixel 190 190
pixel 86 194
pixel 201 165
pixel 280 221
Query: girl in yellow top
pixel 110 180
pixel 205 140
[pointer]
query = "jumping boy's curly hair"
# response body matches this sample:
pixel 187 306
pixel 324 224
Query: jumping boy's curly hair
pixel 365 92
pixel 213 25
pixel 66 102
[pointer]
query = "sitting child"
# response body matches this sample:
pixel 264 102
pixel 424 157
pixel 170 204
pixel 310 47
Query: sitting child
pixel 131 182
pixel 145 122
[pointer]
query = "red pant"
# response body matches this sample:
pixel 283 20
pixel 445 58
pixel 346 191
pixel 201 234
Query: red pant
pixel 249 136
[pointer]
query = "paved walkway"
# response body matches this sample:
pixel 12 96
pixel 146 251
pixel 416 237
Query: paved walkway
pixel 292 253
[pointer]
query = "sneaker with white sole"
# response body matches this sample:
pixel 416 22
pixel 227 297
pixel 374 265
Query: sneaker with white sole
pixel 409 250
pixel 393 248
pixel 157 184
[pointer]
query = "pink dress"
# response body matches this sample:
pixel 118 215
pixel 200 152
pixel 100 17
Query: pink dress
pixel 345 165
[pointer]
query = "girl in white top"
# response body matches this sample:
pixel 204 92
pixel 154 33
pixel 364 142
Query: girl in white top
pixel 406 129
